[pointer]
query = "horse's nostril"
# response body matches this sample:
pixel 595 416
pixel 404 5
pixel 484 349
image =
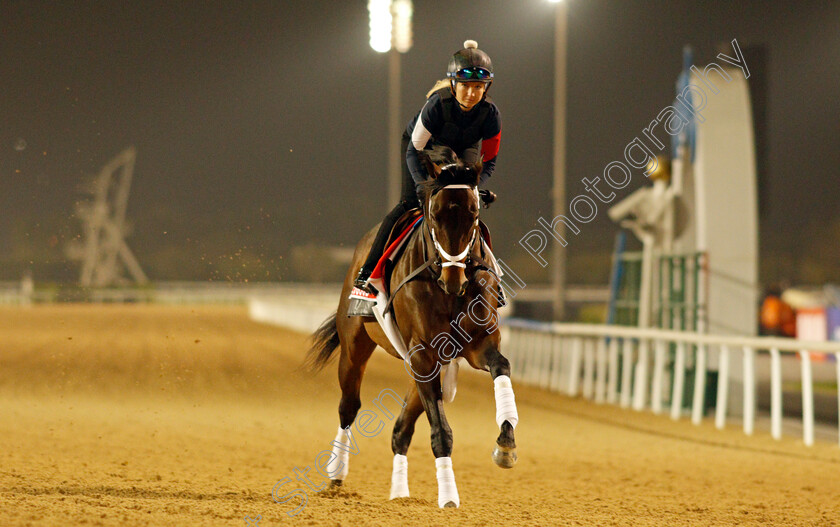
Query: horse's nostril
pixel 463 289
pixel 441 283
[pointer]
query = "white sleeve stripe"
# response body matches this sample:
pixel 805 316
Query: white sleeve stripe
pixel 420 136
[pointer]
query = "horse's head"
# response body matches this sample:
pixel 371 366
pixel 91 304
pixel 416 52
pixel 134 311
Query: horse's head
pixel 450 204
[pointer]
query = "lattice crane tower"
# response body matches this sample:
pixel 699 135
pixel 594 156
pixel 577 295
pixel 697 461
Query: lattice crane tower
pixel 103 251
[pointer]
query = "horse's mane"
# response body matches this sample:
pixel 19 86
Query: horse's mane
pixel 457 173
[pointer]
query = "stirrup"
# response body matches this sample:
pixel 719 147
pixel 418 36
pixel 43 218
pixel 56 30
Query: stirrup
pixel 362 297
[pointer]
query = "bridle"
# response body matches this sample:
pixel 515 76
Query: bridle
pixel 458 260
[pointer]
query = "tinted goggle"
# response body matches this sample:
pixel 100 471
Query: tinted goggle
pixel 472 74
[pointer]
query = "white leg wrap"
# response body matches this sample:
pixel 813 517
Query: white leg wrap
pixel 447 491
pixel 342 457
pixel 399 477
pixel 505 401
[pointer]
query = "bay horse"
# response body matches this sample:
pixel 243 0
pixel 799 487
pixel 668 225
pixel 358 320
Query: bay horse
pixel 444 312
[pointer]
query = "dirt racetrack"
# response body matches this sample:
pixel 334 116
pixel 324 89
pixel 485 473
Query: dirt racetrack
pixel 149 415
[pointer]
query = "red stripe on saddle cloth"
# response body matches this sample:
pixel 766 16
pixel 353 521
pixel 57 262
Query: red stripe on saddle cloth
pixel 391 249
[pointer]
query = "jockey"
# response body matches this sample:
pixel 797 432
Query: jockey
pixel 457 114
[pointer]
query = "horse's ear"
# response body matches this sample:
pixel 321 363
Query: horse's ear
pixel 432 169
pixel 479 166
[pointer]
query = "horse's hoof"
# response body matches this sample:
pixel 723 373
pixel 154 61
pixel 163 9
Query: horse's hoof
pixel 450 505
pixel 504 456
pixel 336 483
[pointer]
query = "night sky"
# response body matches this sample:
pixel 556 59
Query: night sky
pixel 262 127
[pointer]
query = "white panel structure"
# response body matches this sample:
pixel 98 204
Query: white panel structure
pixel 723 181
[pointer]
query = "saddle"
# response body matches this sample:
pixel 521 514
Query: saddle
pixel 404 222
pixel 400 234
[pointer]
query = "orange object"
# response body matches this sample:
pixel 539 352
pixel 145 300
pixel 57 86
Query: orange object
pixel 778 317
pixel 770 313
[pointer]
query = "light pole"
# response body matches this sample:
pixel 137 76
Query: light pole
pixel 558 269
pixel 390 32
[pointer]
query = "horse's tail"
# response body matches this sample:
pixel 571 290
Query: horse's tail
pixel 324 342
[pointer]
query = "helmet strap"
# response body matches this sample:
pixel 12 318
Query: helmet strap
pixel 486 89
pixel 454 96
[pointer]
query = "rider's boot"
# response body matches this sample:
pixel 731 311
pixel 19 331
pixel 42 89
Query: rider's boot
pixel 362 281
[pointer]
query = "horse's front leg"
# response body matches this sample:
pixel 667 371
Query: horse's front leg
pixel 441 434
pixel 504 454
pixel 401 439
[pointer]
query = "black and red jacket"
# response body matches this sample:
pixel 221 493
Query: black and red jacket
pixel 443 122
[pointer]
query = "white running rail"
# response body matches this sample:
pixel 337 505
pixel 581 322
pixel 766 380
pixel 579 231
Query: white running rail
pixel 613 364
